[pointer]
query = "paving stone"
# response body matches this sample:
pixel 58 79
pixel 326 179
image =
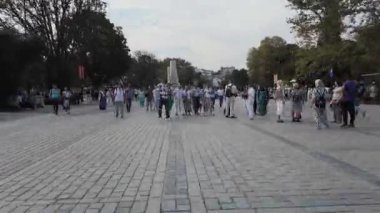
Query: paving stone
pixel 139 207
pixel 212 204
pixel 109 208
pixel 168 205
pixel 154 205
pixel 144 164
pixel 122 210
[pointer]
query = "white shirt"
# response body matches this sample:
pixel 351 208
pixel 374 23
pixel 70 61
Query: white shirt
pixel 178 93
pixel 119 95
pixel 207 94
pixel 251 93
pixel 234 90
pixel 220 92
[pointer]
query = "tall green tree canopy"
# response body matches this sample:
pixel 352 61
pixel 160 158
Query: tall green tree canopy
pixel 99 45
pixel 321 25
pixel 73 32
pixel 145 70
pixel 16 54
pixel 323 22
pixel 239 77
pixel 46 19
pixel 273 56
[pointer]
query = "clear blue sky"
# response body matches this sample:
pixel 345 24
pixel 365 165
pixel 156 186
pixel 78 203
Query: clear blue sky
pixel 208 33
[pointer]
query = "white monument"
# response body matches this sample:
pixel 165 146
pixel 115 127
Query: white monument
pixel 172 73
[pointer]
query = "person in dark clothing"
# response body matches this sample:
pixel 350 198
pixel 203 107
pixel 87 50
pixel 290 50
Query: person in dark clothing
pixel 129 97
pixel 164 101
pixel 255 100
pixel 348 103
pixel 149 99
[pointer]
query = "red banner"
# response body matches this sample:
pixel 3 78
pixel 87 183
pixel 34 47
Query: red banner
pixel 81 72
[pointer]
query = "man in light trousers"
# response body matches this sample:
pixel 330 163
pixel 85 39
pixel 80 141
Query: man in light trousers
pixel 119 101
pixel 178 100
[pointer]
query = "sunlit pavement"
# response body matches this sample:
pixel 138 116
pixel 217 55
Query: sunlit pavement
pixel 90 161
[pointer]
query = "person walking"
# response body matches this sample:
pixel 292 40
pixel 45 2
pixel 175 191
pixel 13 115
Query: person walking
pixel 220 94
pixel 102 100
pixel 55 96
pixel 318 101
pixel 149 99
pixel 361 90
pixel 206 100
pixel 141 97
pixel 348 102
pixel 156 97
pixel 187 101
pixel 249 103
pixel 228 95
pixel 119 101
pixel 130 94
pixel 373 91
pixel 231 94
pixel 335 103
pixel 196 100
pixel 279 97
pixel 66 100
pixel 212 94
pixel 262 101
pixel 255 100
pixel 178 100
pixel 109 97
pixel 297 96
pixel 164 101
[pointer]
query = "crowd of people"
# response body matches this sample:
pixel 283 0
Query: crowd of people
pixel 343 99
pixel 187 101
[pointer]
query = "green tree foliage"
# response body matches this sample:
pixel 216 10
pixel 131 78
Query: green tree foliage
pixel 323 22
pixel 369 44
pixel 64 27
pixel 145 70
pixel 273 56
pixel 320 24
pixel 99 45
pixel 17 54
pixel 239 77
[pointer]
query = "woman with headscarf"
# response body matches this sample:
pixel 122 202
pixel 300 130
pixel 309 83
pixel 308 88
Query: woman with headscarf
pixel 297 102
pixel 279 97
pixel 319 104
pixel 262 100
pixel 249 101
pixel 141 97
pixel 335 103
pixel 102 100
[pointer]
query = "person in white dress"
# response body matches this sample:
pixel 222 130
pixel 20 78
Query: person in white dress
pixel 250 102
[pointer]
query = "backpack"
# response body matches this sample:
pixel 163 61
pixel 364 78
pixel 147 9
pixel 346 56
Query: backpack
pixel 228 92
pixel 320 100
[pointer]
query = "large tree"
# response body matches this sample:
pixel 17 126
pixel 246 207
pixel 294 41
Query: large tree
pixel 273 56
pixel 99 45
pixel 321 24
pixel 48 20
pixel 17 53
pixel 239 77
pixel 145 70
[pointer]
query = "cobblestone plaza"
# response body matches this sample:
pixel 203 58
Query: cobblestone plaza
pixel 91 162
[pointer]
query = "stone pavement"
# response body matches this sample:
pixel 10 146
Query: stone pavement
pixel 92 162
